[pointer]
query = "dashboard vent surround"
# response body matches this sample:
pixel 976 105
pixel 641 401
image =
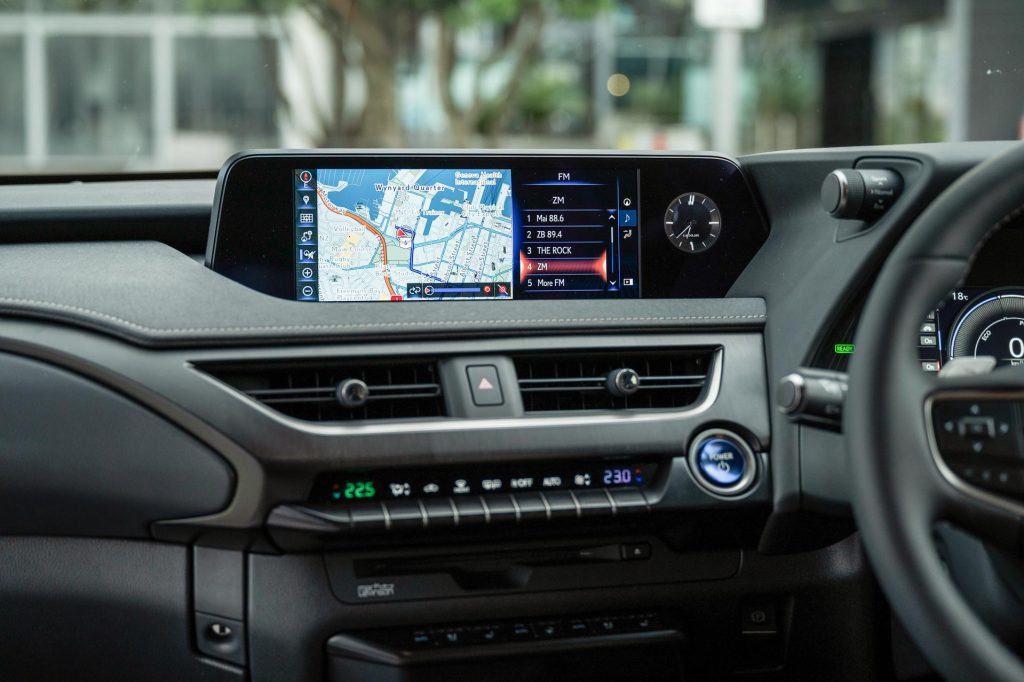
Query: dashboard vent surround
pixel 565 382
pixel 395 389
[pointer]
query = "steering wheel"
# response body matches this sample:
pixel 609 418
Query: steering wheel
pixel 909 446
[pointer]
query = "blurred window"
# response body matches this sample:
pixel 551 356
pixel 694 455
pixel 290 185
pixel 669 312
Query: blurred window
pixel 100 96
pixel 224 85
pixel 12 95
pixel 113 85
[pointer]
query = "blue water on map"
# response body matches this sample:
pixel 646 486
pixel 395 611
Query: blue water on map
pixel 362 189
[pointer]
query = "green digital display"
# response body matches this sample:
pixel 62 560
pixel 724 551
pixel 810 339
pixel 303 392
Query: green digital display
pixel 844 348
pixel 354 490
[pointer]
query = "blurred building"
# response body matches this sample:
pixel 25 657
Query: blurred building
pixel 154 84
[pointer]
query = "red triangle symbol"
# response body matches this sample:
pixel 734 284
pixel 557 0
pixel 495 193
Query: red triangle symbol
pixel 484 384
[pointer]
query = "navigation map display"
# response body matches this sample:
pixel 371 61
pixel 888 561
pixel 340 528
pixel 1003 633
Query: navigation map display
pixel 406 234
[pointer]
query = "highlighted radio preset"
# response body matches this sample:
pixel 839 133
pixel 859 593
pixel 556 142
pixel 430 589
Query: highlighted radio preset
pixel 579 234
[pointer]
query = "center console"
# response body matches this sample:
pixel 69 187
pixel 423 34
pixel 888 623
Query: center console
pixel 464 498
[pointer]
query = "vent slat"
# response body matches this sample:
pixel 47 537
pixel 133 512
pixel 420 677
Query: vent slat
pixel 272 392
pixel 397 389
pixel 564 382
pixel 406 396
pixel 566 387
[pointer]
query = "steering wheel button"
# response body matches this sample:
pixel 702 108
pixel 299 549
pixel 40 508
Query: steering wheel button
pixel 978 427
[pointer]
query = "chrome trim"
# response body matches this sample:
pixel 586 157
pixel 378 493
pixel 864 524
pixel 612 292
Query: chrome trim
pixel 611 501
pixel 798 382
pixel 515 505
pixel 749 474
pixel 844 193
pixel 962 486
pixel 441 424
pixel 423 513
pixel 579 509
pixel 455 512
pixel 547 507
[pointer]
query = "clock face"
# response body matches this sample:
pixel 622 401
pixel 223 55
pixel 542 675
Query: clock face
pixel 693 222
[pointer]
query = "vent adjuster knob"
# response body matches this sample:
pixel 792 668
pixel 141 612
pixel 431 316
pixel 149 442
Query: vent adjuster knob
pixel 622 382
pixel 352 393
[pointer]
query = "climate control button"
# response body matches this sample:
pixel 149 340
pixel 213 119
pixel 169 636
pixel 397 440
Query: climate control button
pixel 722 462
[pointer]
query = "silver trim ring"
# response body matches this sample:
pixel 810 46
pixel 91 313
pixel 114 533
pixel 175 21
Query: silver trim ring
pixel 844 194
pixel 798 384
pixel 749 472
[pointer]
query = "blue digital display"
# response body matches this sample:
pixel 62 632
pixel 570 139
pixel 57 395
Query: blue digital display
pixel 625 476
pixel 538 477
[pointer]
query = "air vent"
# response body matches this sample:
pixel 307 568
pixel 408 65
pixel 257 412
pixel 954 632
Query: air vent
pixel 580 381
pixel 372 389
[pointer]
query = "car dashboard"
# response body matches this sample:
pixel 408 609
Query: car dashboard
pixel 271 442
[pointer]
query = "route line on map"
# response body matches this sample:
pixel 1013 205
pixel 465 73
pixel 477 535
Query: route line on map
pixel 412 256
pixel 383 245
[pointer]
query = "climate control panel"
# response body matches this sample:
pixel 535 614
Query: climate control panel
pixel 400 504
pixel 426 484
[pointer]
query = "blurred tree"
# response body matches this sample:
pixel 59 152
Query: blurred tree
pixel 550 102
pixel 369 27
pixel 784 110
pixel 382 33
pixel 497 79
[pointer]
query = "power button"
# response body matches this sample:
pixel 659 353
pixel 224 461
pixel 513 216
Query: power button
pixel 722 462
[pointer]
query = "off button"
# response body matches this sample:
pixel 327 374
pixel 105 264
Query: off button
pixel 722 462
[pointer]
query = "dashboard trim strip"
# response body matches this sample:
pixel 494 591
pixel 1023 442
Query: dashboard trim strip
pixel 342 327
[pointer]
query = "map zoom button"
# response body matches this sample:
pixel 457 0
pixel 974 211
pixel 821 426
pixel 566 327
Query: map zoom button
pixel 485 385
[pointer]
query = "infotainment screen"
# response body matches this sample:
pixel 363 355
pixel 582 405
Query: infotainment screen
pixel 421 234
pixel 368 226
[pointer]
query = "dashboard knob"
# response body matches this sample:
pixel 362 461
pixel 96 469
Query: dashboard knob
pixel 352 393
pixel 623 382
pixel 812 395
pixel 789 394
pixel 860 194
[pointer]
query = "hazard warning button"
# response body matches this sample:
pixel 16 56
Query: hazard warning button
pixel 484 385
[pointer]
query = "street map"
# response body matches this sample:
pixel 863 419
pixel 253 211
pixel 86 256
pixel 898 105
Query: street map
pixel 387 234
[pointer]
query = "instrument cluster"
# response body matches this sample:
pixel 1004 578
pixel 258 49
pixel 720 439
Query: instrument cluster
pixel 985 316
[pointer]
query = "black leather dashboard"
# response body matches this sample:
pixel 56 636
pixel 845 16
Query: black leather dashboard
pixel 153 295
pixel 104 303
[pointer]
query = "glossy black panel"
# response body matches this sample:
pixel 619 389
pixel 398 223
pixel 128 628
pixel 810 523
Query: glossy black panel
pixel 252 228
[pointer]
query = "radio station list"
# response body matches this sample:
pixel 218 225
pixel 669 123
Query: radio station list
pixel 578 234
